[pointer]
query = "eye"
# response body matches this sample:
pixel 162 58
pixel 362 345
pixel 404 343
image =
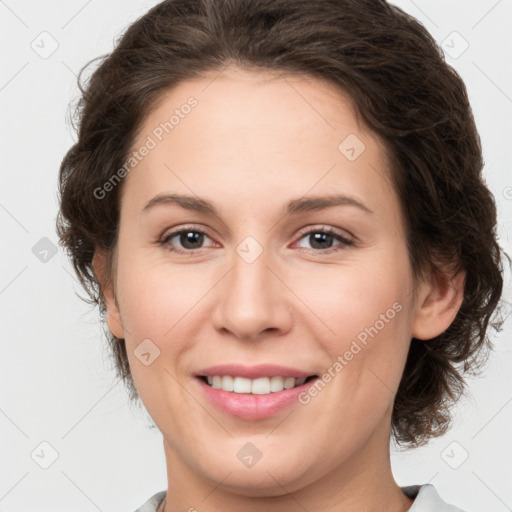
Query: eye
pixel 322 239
pixel 189 238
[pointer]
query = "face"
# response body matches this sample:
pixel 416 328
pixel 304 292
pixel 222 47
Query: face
pixel 261 246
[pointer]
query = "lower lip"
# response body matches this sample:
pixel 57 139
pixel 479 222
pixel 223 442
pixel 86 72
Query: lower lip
pixel 253 407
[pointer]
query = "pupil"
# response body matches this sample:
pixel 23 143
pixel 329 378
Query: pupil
pixel 189 238
pixel 321 239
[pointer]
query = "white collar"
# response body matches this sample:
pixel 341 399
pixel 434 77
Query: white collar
pixel 427 499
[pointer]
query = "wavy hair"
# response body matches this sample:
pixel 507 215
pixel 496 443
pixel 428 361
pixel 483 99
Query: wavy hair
pixel 401 86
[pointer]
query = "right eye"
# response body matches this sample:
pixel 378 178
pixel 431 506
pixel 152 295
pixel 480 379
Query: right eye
pixel 190 238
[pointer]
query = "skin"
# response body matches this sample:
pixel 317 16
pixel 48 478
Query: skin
pixel 254 142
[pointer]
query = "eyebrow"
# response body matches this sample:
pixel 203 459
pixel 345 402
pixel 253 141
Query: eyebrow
pixel 295 206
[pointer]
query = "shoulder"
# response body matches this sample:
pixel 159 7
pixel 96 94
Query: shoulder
pixel 427 499
pixel 153 503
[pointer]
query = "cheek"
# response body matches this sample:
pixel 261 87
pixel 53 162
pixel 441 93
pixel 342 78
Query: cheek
pixel 153 298
pixel 156 302
pixel 366 347
pixel 365 313
pixel 347 299
pixel 165 304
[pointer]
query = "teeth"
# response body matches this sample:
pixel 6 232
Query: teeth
pixel 276 384
pixel 289 382
pixel 227 383
pixel 241 385
pixel 260 386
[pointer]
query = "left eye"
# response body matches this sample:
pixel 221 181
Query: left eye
pixel 322 239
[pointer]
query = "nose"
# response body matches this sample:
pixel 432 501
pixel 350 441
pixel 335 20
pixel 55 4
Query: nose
pixel 253 300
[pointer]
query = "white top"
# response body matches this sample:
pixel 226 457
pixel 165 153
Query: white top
pixel 426 499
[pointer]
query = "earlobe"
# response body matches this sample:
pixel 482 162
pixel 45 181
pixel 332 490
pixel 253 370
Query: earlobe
pixel 113 317
pixel 438 303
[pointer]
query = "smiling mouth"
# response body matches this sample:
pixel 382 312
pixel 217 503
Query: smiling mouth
pixel 259 386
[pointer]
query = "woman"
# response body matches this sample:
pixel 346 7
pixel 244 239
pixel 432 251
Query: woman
pixel 279 208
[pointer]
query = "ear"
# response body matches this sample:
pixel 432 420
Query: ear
pixel 99 265
pixel 438 301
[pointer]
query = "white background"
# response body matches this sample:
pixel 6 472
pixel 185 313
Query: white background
pixel 57 383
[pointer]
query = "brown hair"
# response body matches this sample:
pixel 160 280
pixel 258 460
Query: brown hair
pixel 404 91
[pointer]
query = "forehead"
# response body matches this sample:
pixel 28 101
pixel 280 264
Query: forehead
pixel 254 132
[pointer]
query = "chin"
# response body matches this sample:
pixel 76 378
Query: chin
pixel 268 477
pixel 254 483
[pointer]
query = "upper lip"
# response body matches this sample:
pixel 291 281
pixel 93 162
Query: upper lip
pixel 253 372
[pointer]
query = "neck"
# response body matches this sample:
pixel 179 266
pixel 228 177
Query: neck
pixel 363 482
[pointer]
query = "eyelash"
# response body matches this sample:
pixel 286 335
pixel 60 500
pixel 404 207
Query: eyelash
pixel 344 242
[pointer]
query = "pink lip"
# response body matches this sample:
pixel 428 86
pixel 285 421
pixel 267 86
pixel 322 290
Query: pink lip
pixel 252 407
pixel 253 372
pixel 247 406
